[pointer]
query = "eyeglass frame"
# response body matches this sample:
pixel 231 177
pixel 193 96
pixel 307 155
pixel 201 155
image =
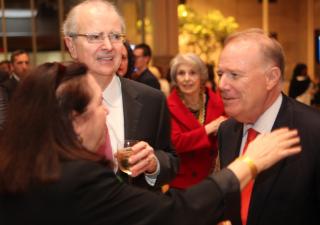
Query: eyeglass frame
pixel 102 36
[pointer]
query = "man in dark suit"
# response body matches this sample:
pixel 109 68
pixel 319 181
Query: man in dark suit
pixel 17 70
pixel 142 53
pixel 136 111
pixel 251 71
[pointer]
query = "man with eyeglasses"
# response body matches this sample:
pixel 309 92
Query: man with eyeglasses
pixel 94 34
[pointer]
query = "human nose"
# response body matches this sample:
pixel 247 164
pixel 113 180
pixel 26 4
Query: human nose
pixel 25 66
pixel 223 81
pixel 187 76
pixel 107 44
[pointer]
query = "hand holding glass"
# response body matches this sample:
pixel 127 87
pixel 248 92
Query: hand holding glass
pixel 124 151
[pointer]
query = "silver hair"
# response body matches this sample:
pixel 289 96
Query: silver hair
pixel 70 24
pixel 190 59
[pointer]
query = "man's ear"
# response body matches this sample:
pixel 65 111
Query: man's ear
pixel 273 77
pixel 70 45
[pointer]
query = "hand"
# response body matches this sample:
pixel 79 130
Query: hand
pixel 143 159
pixel 267 149
pixel 213 126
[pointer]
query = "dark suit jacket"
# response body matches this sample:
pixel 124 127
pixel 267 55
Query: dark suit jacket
pixel 7 88
pixel 147 118
pixel 10 85
pixel 288 192
pixel 146 77
pixel 89 194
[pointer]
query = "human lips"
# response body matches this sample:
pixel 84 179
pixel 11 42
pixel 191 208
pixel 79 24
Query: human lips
pixel 105 57
pixel 226 98
pixel 187 86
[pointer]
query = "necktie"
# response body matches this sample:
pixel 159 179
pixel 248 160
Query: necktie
pixel 106 148
pixel 246 192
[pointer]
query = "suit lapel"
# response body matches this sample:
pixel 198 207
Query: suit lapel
pixel 230 142
pixel 229 146
pixel 265 181
pixel 132 108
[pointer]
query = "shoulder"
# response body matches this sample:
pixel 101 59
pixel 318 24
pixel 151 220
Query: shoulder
pixel 81 171
pixel 302 115
pixel 140 89
pixel 214 98
pixel 173 97
pixel 229 125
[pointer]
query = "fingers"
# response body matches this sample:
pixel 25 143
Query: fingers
pixel 142 159
pixel 290 151
pixel 269 148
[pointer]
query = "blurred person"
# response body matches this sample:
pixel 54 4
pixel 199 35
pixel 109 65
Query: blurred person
pixel 20 67
pixel 210 83
pixel 196 113
pixel 164 84
pixel 136 111
pixel 4 99
pixel 251 74
pixel 142 53
pixel 301 87
pixel 5 65
pixel 126 67
pixel 53 174
pixel 20 64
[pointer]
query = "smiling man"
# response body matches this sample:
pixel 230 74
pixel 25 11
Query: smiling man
pixel 94 35
pixel 251 71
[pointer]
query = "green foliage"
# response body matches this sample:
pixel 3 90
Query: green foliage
pixel 203 34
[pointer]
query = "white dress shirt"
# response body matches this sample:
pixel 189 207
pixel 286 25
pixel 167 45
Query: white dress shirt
pixel 112 97
pixel 264 123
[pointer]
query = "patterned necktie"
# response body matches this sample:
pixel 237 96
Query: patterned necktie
pixel 106 148
pixel 246 192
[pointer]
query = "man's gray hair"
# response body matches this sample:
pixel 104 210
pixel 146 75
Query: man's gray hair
pixel 189 59
pixel 270 48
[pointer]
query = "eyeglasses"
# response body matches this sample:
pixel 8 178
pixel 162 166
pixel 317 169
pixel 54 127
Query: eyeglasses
pixel 97 38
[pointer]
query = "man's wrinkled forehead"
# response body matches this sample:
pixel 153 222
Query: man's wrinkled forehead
pixel 100 11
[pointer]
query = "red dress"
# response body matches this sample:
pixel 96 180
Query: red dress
pixel 197 151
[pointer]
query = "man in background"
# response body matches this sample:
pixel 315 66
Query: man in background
pixel 142 53
pixel 251 71
pixel 11 74
pixel 94 35
pixel 5 65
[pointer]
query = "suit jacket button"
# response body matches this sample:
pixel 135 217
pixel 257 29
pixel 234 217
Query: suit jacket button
pixel 194 174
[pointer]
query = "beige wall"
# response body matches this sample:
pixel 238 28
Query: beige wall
pixel 287 18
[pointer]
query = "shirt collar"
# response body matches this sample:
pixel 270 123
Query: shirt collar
pixel 15 76
pixel 265 122
pixel 112 93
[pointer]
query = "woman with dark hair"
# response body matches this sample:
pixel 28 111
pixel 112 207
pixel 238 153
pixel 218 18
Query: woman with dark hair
pixel 126 67
pixel 301 85
pixel 50 172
